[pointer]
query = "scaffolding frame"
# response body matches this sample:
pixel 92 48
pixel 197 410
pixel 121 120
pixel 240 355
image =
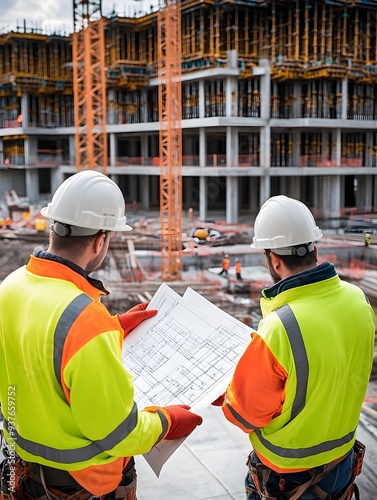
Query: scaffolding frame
pixel 170 115
pixel 89 85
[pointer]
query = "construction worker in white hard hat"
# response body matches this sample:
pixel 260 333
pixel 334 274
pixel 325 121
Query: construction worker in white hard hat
pixel 298 389
pixel 71 424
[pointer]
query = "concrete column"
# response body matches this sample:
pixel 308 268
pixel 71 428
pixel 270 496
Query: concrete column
pixel 329 197
pixel 202 147
pixel 72 150
pixel 33 143
pixel 296 153
pixel 202 99
pixel 294 187
pixel 231 89
pixel 231 200
pixel 231 146
pixel 115 178
pixel 265 147
pixel 143 104
pixel 264 71
pixel 32 185
pixel 112 118
pixel 344 98
pixel 144 191
pixel 57 178
pixel 297 102
pixel 132 190
pixel 27 150
pixel 364 193
pixel 337 153
pixel 325 145
pixel 368 195
pixel 113 149
pixel 284 185
pixel 144 148
pixel 368 146
pixel 25 109
pixel 202 198
pixel 265 188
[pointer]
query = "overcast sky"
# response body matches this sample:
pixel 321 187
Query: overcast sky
pixel 56 15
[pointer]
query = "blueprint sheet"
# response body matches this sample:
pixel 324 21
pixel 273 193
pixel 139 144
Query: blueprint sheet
pixel 185 354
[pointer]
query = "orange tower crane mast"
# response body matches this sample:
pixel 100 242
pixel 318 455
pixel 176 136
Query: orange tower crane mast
pixel 89 85
pixel 170 114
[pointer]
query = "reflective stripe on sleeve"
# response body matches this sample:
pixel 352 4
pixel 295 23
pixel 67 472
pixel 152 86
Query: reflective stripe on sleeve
pixel 165 425
pixel 65 323
pixel 238 417
pixel 78 454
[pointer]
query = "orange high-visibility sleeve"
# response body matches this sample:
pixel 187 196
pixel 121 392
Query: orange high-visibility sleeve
pixel 256 392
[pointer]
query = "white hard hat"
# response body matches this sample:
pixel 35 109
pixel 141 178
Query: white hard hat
pixel 284 224
pixel 86 203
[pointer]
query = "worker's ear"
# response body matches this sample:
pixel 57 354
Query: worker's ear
pixel 316 254
pixel 98 242
pixel 275 260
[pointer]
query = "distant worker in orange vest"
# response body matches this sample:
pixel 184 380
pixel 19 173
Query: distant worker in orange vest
pixel 8 222
pixel 225 266
pixel 237 268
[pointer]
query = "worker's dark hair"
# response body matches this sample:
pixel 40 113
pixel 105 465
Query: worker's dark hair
pixel 295 262
pixel 75 244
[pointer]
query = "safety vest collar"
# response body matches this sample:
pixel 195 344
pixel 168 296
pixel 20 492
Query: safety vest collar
pixel 321 272
pixel 42 264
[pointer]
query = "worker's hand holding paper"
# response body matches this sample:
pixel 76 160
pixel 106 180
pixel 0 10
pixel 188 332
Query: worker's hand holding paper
pixel 134 316
pixel 182 421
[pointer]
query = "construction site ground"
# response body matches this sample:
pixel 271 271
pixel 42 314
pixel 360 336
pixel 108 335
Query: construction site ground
pixel 210 464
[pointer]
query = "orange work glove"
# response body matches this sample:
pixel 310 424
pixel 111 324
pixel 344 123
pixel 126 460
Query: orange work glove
pixel 219 401
pixel 183 421
pixel 132 318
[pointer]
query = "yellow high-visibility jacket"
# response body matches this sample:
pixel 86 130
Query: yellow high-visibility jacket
pixel 298 388
pixel 67 400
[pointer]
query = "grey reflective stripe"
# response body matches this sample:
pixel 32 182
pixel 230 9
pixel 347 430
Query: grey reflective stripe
pixel 238 417
pixel 65 323
pixel 78 454
pixel 299 356
pixel 165 425
pixel 306 452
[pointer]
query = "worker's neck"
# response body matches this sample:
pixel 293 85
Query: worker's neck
pixel 79 260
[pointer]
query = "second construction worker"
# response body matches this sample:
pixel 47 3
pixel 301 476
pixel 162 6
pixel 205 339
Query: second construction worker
pixel 71 423
pixel 225 266
pixel 237 268
pixel 298 389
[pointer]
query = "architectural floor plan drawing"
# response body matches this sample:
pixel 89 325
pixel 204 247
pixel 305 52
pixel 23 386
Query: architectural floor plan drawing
pixel 185 354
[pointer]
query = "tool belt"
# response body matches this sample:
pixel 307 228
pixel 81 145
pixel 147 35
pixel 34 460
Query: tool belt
pixel 54 483
pixel 260 475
